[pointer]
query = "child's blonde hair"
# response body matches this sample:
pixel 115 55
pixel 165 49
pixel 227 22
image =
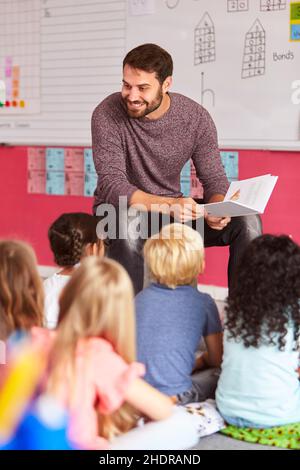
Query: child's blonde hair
pixel 175 256
pixel 21 289
pixel 96 302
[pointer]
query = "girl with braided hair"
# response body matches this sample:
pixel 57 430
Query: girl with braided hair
pixel 259 383
pixel 72 236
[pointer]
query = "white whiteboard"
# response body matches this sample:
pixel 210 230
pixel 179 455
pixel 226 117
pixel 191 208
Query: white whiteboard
pixel 68 54
pixel 254 112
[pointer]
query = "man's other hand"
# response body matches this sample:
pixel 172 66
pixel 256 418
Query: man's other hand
pixel 185 208
pixel 216 223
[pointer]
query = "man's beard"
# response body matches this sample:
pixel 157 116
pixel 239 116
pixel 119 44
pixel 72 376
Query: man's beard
pixel 150 107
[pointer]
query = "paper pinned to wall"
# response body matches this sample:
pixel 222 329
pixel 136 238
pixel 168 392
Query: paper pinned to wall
pixel 74 183
pixel 230 162
pixel 36 182
pixel 141 7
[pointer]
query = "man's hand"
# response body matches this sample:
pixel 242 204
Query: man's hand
pixel 216 223
pixel 184 209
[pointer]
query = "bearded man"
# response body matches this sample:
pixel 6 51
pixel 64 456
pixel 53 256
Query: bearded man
pixel 142 137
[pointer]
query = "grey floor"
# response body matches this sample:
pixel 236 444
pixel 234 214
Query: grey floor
pixel 220 442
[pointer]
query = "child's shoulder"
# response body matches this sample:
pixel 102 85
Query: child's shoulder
pixel 152 292
pixel 181 293
pixel 42 337
pixel 94 344
pixel 198 295
pixel 56 280
pixel 101 354
pixel 205 297
pixel 98 350
pixel 206 302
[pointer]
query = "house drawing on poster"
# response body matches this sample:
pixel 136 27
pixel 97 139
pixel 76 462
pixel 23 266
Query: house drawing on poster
pixel 204 41
pixel 254 51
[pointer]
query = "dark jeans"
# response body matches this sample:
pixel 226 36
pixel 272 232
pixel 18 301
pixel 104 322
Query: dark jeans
pixel 237 234
pixel 204 384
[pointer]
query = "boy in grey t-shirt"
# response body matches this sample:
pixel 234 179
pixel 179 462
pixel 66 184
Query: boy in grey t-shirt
pixel 172 316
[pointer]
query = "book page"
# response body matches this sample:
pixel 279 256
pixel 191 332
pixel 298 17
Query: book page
pixel 252 192
pixel 228 209
pixel 244 197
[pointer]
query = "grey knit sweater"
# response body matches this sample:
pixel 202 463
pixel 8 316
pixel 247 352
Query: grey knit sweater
pixel 131 154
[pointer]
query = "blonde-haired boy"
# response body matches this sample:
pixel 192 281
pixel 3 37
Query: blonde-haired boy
pixel 172 317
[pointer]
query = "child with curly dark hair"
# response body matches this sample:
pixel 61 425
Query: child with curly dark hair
pixel 72 236
pixel 259 383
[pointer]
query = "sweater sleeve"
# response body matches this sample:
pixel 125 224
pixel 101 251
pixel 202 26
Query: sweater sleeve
pixel 109 159
pixel 207 160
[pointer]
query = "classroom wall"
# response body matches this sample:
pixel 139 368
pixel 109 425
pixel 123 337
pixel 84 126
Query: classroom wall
pixel 28 216
pixel 233 57
pixel 281 213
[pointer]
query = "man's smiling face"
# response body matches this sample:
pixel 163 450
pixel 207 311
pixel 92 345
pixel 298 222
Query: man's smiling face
pixel 141 92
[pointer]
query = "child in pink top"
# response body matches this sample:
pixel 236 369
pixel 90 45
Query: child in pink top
pixel 101 388
pixel 92 368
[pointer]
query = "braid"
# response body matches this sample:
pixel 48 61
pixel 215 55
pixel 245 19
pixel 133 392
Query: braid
pixel 77 240
pixel 68 247
pixel 68 236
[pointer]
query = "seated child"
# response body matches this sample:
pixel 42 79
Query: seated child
pixel 172 316
pixel 71 237
pixel 259 383
pixel 92 370
pixel 21 288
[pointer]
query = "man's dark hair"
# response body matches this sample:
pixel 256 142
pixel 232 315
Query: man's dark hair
pixel 150 58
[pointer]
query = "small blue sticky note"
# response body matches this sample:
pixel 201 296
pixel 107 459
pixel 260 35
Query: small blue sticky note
pixel 185 186
pixel 186 170
pixel 55 182
pixel 230 161
pixel 90 183
pixel 88 161
pixel 55 159
pixel 295 32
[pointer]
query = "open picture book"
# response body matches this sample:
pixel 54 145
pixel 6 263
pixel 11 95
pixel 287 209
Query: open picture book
pixel 244 197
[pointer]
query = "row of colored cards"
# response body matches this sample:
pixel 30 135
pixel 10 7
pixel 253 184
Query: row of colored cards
pixel 61 171
pixel 71 171
pixel 190 185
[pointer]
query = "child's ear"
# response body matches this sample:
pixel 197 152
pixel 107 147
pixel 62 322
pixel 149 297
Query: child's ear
pixel 88 249
pixel 94 249
pixel 100 248
pixel 97 248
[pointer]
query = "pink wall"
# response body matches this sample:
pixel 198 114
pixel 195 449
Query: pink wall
pixel 282 212
pixel 28 216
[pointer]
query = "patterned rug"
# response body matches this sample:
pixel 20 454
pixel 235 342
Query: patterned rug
pixel 286 437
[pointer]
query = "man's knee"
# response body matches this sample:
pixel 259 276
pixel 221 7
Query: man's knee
pixel 249 226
